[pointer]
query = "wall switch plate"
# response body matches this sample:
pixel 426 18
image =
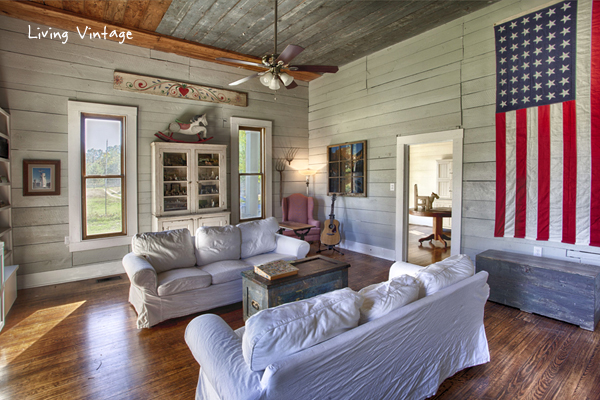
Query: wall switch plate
pixel 537 251
pixel 392 187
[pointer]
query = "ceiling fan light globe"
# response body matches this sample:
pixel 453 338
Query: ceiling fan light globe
pixel 266 79
pixel 286 79
pixel 274 85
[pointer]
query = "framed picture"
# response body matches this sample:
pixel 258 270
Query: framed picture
pixel 347 169
pixel 41 177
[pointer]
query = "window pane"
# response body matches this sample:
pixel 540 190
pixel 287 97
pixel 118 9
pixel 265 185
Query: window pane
pixel 249 152
pixel 250 197
pixel 102 146
pixel 104 206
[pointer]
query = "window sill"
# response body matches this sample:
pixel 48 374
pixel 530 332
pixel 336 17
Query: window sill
pixel 94 244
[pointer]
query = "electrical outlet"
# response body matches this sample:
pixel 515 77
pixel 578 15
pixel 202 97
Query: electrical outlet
pixel 67 240
pixel 537 251
pixel 392 187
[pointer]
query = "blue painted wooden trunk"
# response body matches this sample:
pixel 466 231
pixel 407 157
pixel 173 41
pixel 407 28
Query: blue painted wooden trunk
pixel 316 275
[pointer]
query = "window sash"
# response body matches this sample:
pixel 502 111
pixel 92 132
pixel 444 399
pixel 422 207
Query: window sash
pixel 85 178
pixel 260 174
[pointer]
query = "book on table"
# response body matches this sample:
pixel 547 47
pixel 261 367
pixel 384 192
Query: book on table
pixel 275 269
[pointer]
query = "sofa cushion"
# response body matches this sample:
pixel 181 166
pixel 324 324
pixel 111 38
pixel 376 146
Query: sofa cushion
pixel 444 273
pixel 381 298
pixel 165 250
pixel 258 237
pixel 226 271
pixel 181 280
pixel 278 332
pixel 217 243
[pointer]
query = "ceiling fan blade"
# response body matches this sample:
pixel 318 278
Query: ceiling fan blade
pixel 314 68
pixel 291 85
pixel 246 79
pixel 289 53
pixel 232 60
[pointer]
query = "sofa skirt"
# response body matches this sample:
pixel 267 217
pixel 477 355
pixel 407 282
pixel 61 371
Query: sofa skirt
pixel 152 309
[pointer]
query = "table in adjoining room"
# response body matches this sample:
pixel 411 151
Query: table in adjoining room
pixel 438 214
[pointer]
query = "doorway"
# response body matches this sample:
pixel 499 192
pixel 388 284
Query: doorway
pixel 428 160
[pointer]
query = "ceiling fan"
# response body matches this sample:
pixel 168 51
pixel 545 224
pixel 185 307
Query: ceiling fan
pixel 277 63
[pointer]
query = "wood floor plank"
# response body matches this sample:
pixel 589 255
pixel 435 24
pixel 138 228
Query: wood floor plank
pixel 79 341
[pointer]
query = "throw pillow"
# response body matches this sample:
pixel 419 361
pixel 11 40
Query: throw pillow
pixel 278 332
pixel 381 298
pixel 218 243
pixel 444 273
pixel 258 237
pixel 165 250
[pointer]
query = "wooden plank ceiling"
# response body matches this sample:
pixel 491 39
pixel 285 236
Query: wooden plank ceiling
pixel 332 32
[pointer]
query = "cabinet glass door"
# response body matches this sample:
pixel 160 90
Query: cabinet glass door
pixel 175 181
pixel 208 181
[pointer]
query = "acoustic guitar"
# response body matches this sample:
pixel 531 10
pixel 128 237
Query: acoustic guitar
pixel 330 236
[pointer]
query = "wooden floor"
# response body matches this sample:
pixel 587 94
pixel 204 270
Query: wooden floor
pixel 79 341
pixel 427 252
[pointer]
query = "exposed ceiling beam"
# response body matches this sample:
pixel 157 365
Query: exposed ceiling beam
pixel 61 19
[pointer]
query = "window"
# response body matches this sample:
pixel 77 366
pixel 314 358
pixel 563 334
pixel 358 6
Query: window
pixel 102 175
pixel 251 173
pixel 250 169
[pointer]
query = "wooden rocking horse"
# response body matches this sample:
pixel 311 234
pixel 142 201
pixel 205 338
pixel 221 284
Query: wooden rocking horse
pixel 196 126
pixel 426 202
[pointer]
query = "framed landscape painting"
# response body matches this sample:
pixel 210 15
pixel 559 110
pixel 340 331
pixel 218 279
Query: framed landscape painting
pixel 41 177
pixel 347 169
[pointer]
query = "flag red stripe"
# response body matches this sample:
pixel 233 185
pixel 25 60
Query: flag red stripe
pixel 500 174
pixel 521 178
pixel 595 128
pixel 569 172
pixel 543 222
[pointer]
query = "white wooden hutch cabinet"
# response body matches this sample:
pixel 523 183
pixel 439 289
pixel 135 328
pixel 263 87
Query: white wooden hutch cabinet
pixel 189 186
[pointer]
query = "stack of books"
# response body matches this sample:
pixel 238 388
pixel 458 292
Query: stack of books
pixel 275 269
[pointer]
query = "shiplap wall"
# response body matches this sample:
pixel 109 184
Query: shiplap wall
pixel 38 77
pixel 437 81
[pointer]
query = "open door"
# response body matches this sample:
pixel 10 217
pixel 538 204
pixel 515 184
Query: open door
pixel 403 196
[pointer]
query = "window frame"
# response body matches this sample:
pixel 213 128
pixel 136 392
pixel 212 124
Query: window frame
pixel 77 240
pixel 84 176
pixel 260 174
pixel 266 161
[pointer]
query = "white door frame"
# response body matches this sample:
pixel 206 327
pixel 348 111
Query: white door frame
pixel 402 170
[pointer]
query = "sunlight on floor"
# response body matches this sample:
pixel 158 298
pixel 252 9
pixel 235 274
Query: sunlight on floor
pixel 23 335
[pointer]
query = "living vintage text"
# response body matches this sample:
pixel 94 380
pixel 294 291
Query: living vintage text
pixel 63 36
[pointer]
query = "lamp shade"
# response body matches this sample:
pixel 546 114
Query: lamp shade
pixel 274 85
pixel 286 79
pixel 266 79
pixel 308 172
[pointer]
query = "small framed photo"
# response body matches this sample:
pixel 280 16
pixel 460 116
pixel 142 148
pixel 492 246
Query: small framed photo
pixel 41 177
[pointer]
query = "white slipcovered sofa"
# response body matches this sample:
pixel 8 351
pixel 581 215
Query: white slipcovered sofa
pixel 396 340
pixel 173 273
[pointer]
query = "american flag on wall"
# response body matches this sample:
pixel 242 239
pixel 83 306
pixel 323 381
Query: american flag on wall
pixel 547 124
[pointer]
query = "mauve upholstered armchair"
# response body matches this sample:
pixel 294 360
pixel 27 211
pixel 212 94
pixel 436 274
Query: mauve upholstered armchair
pixel 299 208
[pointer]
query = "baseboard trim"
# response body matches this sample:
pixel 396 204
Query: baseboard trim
pixel 364 248
pixel 69 275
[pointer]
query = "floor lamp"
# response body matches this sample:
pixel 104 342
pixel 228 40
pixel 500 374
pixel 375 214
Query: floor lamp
pixel 308 173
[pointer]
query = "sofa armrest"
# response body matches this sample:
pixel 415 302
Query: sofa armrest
pixel 292 246
pixel 314 222
pixel 403 268
pixel 218 350
pixel 140 273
